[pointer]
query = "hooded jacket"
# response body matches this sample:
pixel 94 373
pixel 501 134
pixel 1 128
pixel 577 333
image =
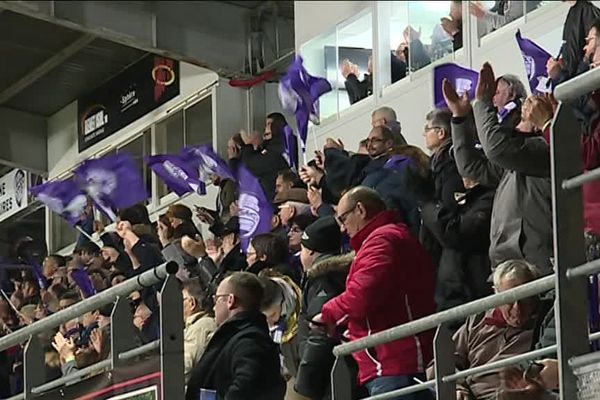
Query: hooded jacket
pixel 391 282
pixel 325 280
pixel 240 362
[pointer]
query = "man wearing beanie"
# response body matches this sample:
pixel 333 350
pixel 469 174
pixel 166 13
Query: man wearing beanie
pixel 325 278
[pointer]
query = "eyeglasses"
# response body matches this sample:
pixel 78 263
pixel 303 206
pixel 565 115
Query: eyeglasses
pixel 375 140
pixel 215 297
pixel 427 129
pixel 295 229
pixel 341 219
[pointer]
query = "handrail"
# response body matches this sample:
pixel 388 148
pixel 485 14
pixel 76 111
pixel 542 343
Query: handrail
pixel 432 321
pixel 577 86
pixel 107 296
pixel 46 387
pixel 579 180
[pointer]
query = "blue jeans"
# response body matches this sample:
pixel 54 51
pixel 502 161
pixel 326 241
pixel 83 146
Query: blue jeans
pixel 387 384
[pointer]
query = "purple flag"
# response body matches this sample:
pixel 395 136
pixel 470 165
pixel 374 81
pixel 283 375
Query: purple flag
pixel 84 282
pixel 179 176
pixel 113 182
pixel 206 162
pixel 290 148
pixel 463 79
pixel 535 59
pixel 255 210
pixel 299 93
pixel 65 198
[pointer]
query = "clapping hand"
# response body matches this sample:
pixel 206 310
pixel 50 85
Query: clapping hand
pixel 459 105
pixel 486 86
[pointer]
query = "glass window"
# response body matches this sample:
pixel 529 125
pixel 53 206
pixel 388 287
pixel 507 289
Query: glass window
pixel 198 123
pixel 426 34
pixel 493 15
pixel 169 140
pixel 321 59
pixel 63 234
pixel 355 48
pixel 140 148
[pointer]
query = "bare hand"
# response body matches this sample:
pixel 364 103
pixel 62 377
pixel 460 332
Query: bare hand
pixel 320 159
pixel 477 9
pixel 549 374
pixel 123 227
pixel 233 209
pixel 486 87
pixel 411 34
pixel 194 248
pixel 460 106
pixel 347 68
pixel 537 110
pixel 553 68
pixel 450 26
pixel 96 339
pixel 334 144
pixel 64 347
pixel 315 198
pixel 310 175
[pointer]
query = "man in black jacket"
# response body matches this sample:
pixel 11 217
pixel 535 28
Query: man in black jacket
pixel 241 362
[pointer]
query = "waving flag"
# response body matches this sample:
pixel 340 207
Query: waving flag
pixel 463 79
pixel 206 162
pixel 299 93
pixel 113 182
pixel 255 210
pixel 290 148
pixel 178 175
pixel 535 59
pixel 84 282
pixel 65 198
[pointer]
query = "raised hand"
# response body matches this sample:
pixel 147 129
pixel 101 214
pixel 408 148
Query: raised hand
pixel 459 105
pixel 486 87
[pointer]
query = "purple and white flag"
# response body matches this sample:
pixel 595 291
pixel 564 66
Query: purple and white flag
pixel 535 59
pixel 207 162
pixel 463 79
pixel 299 93
pixel 254 209
pixel 84 282
pixel 65 198
pixel 113 182
pixel 176 173
pixel 290 143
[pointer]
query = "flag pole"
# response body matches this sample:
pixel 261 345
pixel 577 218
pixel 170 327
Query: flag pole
pixel 98 242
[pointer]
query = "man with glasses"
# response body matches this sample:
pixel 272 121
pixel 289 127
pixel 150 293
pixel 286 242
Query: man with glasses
pixel 240 361
pixel 390 283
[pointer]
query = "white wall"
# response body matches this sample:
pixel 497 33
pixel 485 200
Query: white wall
pixel 63 154
pixel 412 97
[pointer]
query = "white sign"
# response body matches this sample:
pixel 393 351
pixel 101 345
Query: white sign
pixel 13 193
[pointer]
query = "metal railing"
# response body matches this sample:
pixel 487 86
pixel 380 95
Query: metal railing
pixel 122 344
pixel 570 282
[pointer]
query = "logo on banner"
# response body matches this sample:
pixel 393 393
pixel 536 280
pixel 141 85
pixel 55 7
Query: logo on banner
pixel 175 171
pixel 529 66
pixel 248 214
pixel 463 85
pixel 207 167
pixel 101 181
pixel 20 187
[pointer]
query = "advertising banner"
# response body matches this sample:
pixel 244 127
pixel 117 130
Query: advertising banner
pixel 133 93
pixel 13 193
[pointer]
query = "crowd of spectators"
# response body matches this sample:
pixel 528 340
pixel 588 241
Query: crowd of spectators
pixel 361 241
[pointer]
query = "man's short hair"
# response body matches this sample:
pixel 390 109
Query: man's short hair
pixel 272 246
pixel 442 118
pixel 386 133
pixel 519 269
pixel 368 197
pixel 515 86
pixel 70 295
pixel 88 247
pixel 387 113
pixel 194 289
pixel 247 289
pixel 287 175
pixel 58 259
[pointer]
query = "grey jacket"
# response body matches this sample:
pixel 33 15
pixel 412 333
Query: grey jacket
pixel 518 166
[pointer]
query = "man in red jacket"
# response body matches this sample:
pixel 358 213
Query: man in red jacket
pixel 391 282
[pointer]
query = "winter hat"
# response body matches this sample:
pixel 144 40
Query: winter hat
pixel 323 236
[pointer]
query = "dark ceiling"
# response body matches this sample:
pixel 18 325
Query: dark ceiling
pixel 29 43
